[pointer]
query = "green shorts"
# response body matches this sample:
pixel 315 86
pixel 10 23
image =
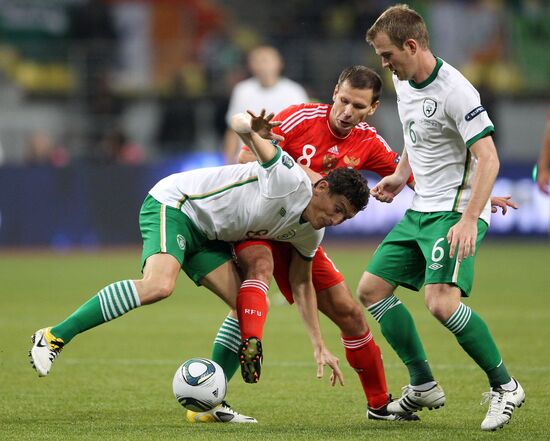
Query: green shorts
pixel 415 253
pixel 167 230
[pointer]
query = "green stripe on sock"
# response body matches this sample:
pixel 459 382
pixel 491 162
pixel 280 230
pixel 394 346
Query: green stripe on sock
pixel 397 326
pixel 474 337
pixel 123 298
pixel 113 297
pixel 104 311
pixel 380 308
pixel 226 346
pixel 459 319
pixel 128 291
pixel 106 305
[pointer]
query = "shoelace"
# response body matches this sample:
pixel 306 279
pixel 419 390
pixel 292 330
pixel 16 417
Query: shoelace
pixel 226 407
pixel 225 404
pixel 495 400
pixel 406 390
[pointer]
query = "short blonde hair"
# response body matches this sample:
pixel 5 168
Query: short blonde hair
pixel 400 23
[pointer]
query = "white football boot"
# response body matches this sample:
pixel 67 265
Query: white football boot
pixel 222 413
pixel 502 404
pixel 44 351
pixel 413 400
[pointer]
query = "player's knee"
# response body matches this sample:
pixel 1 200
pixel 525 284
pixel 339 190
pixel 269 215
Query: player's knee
pixel 351 311
pixel 165 290
pixel 155 290
pixel 366 294
pixel 371 289
pixel 441 301
pixel 257 263
pixel 351 319
pixel 262 270
pixel 438 310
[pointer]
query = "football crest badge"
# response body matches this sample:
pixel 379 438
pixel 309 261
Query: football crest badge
pixel 429 107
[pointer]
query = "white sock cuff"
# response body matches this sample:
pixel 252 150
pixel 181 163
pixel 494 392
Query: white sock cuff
pixel 460 318
pixel 254 283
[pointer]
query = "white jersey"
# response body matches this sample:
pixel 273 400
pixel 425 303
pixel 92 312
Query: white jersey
pixel 442 117
pixel 246 201
pixel 251 95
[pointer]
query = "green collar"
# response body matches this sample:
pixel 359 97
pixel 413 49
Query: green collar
pixel 438 64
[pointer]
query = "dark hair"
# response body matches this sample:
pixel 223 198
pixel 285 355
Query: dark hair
pixel 362 77
pixel 400 23
pixel 351 184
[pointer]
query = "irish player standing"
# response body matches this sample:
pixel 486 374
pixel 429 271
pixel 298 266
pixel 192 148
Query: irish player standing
pixel 448 147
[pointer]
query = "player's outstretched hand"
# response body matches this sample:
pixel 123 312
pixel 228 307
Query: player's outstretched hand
pixel 388 187
pixel 502 202
pixel 324 357
pixel 263 125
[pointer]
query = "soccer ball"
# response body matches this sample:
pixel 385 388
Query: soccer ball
pixel 199 384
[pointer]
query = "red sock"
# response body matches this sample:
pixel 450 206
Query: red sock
pixel 364 357
pixel 252 308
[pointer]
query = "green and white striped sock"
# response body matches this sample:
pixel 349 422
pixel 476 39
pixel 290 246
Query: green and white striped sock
pixel 226 346
pixel 117 299
pixel 473 335
pixel 380 308
pixel 397 326
pixel 111 302
pixel 460 318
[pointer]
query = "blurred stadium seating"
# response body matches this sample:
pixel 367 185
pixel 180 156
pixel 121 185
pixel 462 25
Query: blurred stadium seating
pixel 156 75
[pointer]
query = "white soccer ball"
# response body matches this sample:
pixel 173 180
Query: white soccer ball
pixel 199 384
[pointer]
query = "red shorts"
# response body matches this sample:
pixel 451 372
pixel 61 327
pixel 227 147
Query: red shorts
pixel 324 273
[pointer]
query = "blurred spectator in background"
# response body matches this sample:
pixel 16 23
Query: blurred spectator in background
pixel 177 121
pixel 178 30
pixel 118 149
pixel 543 165
pixel 93 29
pixel 266 89
pixel 42 150
pixel 474 35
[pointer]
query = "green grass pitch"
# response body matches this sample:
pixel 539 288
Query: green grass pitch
pixel 114 382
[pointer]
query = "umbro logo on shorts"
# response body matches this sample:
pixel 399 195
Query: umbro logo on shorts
pixel 435 266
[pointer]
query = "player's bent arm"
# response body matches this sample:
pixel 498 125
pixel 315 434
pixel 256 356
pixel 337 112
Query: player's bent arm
pixel 390 186
pixel 484 178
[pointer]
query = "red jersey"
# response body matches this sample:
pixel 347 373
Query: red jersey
pixel 311 142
